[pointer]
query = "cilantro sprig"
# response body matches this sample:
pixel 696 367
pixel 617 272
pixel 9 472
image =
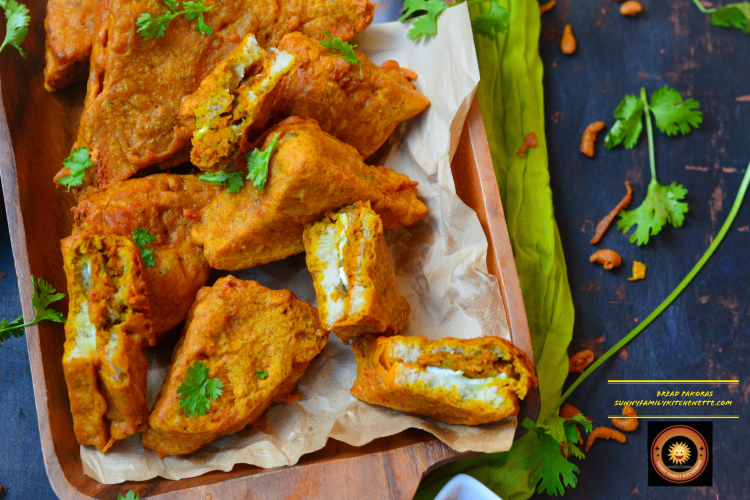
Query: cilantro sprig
pixel 257 164
pixel 77 163
pixel 345 48
pixel 130 495
pixel 425 13
pixel 156 27
pixel 17 24
pixel 547 461
pixel 262 374
pixel 143 238
pixel 42 296
pixel 673 116
pixel 734 15
pixel 197 389
pixel 225 177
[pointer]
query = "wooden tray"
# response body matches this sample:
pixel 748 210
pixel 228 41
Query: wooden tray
pixel 36 132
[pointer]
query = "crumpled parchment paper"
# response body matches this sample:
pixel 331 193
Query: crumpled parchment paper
pixel 440 267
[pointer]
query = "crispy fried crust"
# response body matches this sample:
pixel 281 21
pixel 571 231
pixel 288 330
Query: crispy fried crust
pixel 310 173
pixel 108 321
pixel 351 242
pixel 381 380
pixel 136 86
pixel 327 89
pixel 237 328
pixel 166 205
pixel 70 29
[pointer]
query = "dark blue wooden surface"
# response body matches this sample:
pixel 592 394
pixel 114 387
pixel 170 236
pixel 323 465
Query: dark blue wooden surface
pixel 703 335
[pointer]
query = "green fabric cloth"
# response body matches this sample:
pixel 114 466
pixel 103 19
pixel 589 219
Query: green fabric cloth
pixel 511 99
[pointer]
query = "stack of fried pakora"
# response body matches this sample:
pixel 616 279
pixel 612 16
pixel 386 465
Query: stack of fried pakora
pixel 242 81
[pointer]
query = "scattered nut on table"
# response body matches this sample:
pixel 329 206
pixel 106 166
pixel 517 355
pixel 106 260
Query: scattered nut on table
pixel 589 138
pixel 568 44
pixel 626 424
pixel 580 361
pixel 604 433
pixel 547 6
pixel 639 271
pixel 631 8
pixel 608 258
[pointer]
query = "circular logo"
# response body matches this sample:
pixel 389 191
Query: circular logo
pixel 679 454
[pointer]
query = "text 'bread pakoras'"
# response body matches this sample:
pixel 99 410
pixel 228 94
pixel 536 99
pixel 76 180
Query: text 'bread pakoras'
pixel 352 271
pixel 359 109
pixel 309 174
pixel 257 342
pixel 456 381
pixel 233 104
pixel 70 31
pixel 108 322
pixel 136 86
pixel 167 206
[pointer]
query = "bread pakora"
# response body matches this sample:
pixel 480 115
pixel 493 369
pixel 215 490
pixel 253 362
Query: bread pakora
pixel 257 342
pixel 167 206
pixel 456 381
pixel 328 89
pixel 247 90
pixel 136 86
pixel 233 102
pixel 352 271
pixel 108 321
pixel 309 174
pixel 70 30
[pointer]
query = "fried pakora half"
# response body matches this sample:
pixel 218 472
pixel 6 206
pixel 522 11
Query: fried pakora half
pixel 328 89
pixel 234 103
pixel 352 271
pixel 309 174
pixel 456 381
pixel 108 321
pixel 70 30
pixel 136 86
pixel 167 206
pixel 257 342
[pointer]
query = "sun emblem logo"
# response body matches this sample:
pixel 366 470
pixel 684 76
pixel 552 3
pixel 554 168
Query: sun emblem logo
pixel 679 453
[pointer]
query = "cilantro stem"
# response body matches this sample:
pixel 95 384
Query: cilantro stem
pixel 702 8
pixel 672 296
pixel 650 134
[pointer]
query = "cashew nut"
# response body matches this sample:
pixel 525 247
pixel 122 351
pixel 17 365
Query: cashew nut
pixel 609 258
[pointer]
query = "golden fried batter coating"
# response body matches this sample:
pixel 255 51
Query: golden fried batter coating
pixel 233 104
pixel 237 328
pixel 70 30
pixel 167 206
pixel 108 321
pixel 309 174
pixel 456 381
pixel 136 86
pixel 358 110
pixel 352 271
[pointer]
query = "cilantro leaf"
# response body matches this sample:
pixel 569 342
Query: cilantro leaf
pixel 491 22
pixel 196 390
pixel 77 163
pixel 257 164
pixel 628 126
pixel 427 24
pixel 662 205
pixel 150 27
pixel 345 48
pixel 548 460
pixel 142 238
pixel 735 15
pixel 17 25
pixel 672 114
pixel 129 496
pixel 43 295
pixel 261 374
pixel 225 178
